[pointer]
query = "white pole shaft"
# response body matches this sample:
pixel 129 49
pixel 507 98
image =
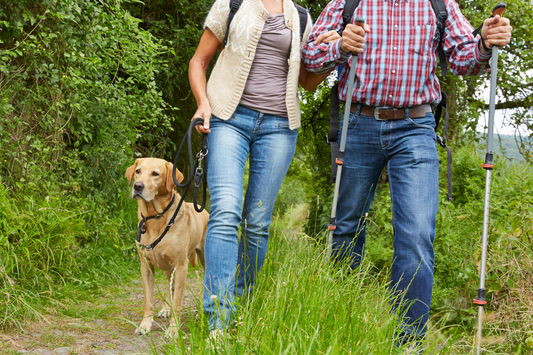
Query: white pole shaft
pixel 490 133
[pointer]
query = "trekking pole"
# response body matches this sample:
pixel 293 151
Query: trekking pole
pixel 488 165
pixel 340 159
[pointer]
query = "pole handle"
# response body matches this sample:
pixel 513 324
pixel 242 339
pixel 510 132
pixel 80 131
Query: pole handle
pixel 358 21
pixel 499 9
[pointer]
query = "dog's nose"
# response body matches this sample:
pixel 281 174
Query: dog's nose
pixel 138 186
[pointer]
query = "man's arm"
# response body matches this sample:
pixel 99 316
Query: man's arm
pixel 466 54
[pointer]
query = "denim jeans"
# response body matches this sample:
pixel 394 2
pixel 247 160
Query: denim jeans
pixel 408 148
pixel 237 234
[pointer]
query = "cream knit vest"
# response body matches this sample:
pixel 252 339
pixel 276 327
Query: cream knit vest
pixel 227 81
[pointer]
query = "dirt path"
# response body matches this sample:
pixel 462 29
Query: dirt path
pixel 105 325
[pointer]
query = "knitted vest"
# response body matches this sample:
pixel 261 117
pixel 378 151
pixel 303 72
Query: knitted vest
pixel 228 78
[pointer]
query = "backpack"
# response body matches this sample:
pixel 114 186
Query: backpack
pixel 234 6
pixel 439 8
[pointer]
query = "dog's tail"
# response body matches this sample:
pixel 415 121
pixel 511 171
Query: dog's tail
pixel 192 258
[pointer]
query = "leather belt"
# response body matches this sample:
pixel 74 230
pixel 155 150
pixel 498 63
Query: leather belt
pixel 382 113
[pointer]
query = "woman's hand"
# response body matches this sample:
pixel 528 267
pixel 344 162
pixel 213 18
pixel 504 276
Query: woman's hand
pixel 326 37
pixel 204 111
pixel 309 81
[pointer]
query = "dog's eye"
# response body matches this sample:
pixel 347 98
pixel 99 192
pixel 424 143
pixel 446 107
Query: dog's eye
pixel 138 171
pixel 155 173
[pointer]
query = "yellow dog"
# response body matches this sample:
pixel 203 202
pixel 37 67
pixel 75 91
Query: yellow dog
pixel 153 188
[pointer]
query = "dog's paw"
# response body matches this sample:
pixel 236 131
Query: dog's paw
pixel 171 332
pixel 144 328
pixel 141 331
pixel 165 312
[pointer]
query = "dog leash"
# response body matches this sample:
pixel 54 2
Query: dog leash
pixel 198 174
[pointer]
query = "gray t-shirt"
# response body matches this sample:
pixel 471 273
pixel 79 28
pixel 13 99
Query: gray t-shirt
pixel 266 86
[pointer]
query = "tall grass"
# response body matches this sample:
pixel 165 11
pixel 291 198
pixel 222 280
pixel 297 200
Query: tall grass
pixel 304 305
pixel 49 241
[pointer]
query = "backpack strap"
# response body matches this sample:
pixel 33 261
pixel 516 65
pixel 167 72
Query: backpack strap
pixel 439 8
pixel 332 137
pixel 347 13
pixel 234 6
pixel 302 13
pixel 441 140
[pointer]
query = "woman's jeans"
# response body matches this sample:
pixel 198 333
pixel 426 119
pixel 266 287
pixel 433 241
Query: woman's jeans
pixel 408 148
pixel 237 234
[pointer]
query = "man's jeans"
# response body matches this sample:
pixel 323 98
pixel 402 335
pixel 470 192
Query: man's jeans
pixel 270 144
pixel 408 148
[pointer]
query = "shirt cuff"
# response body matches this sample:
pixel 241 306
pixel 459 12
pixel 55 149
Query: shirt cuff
pixel 337 54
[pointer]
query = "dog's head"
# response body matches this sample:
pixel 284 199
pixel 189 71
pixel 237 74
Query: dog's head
pixel 151 177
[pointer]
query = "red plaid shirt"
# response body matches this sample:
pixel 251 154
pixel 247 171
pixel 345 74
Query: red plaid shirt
pixel 397 67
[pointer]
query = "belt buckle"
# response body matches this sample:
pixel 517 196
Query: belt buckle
pixel 376 113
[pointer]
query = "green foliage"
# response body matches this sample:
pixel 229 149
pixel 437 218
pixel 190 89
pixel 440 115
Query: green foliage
pixel 78 94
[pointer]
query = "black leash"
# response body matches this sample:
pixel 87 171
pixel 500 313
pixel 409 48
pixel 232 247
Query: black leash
pixel 198 174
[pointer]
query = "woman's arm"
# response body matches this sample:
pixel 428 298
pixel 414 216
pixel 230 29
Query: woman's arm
pixel 309 81
pixel 197 67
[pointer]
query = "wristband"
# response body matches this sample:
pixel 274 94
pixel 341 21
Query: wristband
pixel 484 46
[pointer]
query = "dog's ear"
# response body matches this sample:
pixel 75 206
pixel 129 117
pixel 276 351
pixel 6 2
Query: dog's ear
pixel 170 181
pixel 131 170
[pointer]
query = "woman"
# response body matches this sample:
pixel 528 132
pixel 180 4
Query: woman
pixel 252 95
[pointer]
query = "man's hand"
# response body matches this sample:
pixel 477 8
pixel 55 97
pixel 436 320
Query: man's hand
pixel 353 38
pixel 204 111
pixel 496 31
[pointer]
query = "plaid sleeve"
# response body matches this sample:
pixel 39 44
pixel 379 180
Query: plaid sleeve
pixel 325 57
pixel 460 45
pixel 217 19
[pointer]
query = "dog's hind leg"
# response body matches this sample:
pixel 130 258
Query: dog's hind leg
pixel 200 253
pixel 192 259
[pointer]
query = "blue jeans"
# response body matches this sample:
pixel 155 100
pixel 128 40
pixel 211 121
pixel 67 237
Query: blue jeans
pixel 237 234
pixel 408 148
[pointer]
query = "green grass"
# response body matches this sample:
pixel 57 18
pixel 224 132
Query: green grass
pixel 304 305
pixel 55 248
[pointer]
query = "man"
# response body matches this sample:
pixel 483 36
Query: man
pixel 391 122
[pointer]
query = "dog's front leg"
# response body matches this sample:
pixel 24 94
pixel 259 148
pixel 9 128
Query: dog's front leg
pixel 147 272
pixel 180 275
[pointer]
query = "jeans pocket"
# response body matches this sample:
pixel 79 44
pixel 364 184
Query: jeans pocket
pixel 426 122
pixel 353 119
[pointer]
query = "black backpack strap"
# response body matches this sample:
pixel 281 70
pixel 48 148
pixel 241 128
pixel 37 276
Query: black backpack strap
pixel 302 13
pixel 439 8
pixel 234 6
pixel 332 137
pixel 441 140
pixel 347 13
